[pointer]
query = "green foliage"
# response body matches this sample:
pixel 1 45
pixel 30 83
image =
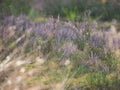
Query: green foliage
pixel 100 81
pixel 96 80
pixel 33 13
pixel 70 9
pixel 15 7
pixel 70 14
pixel 75 9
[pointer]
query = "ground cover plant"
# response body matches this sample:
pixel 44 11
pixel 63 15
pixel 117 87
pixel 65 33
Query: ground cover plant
pixel 59 55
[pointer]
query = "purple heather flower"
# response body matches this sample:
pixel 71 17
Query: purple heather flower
pixel 97 40
pixel 9 20
pixel 119 42
pixel 68 49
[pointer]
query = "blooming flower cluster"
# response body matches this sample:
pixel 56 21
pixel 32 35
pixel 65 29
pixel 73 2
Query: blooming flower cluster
pixel 57 35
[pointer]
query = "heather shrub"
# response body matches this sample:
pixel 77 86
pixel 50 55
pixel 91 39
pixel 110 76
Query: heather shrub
pixel 55 34
pixel 81 54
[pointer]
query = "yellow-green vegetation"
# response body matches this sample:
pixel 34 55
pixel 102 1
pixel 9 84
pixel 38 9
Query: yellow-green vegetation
pixel 53 72
pixel 40 19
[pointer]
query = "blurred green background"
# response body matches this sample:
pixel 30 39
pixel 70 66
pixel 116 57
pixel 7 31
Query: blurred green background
pixel 74 10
